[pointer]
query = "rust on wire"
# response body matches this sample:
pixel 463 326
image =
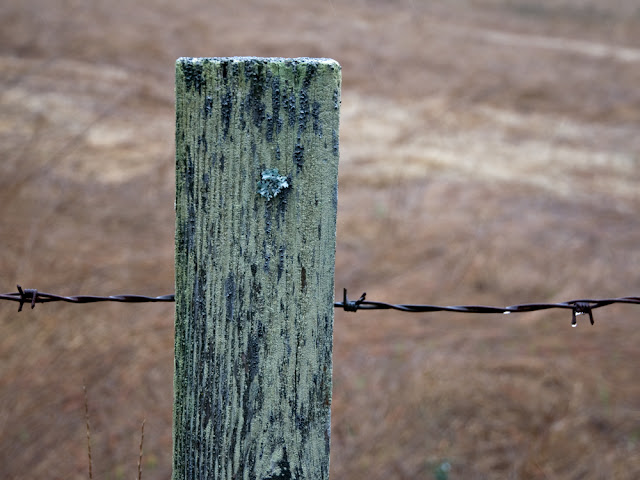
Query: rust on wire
pixel 31 296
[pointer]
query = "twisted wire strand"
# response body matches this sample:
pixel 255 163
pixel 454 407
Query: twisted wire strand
pixel 578 307
pixel 363 304
pixel 31 296
pixel 584 306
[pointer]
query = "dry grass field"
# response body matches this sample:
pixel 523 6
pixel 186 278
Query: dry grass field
pixel 490 154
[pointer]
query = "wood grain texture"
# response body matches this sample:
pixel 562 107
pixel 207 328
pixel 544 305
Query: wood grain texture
pixel 256 202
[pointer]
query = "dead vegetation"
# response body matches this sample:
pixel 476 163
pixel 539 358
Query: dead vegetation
pixel 489 155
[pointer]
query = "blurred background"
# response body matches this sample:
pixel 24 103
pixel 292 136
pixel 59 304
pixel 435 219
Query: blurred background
pixel 489 155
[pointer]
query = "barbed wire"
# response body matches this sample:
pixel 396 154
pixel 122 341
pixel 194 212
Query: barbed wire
pixel 31 296
pixel 577 307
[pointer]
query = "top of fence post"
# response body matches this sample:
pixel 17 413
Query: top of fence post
pixel 256 201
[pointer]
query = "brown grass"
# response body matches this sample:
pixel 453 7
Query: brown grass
pixel 490 155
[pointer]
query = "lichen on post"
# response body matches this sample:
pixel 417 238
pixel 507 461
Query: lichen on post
pixel 256 201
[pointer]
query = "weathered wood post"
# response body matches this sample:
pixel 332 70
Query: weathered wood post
pixel 256 200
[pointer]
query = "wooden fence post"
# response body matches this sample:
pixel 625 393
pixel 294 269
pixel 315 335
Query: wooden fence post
pixel 256 201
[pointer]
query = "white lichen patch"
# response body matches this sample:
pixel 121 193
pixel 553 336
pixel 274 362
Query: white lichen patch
pixel 272 183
